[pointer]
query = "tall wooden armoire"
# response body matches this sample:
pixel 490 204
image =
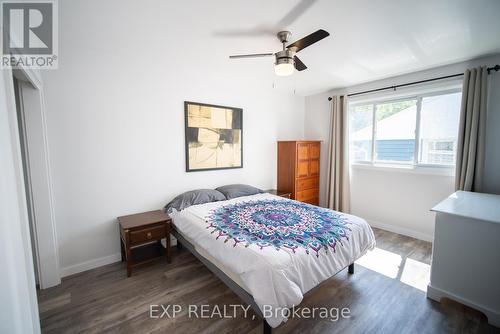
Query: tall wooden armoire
pixel 298 169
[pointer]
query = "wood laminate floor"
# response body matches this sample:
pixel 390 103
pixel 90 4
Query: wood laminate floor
pixel 385 295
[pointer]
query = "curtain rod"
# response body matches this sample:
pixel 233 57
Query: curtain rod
pixel 489 69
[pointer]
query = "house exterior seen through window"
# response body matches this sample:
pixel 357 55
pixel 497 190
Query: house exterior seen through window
pixel 420 130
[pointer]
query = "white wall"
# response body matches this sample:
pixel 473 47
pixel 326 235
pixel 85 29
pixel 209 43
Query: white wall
pixel 115 118
pixel 18 303
pixel 398 201
pixel 401 201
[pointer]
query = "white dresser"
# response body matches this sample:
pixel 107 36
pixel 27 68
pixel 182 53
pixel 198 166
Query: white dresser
pixel 466 252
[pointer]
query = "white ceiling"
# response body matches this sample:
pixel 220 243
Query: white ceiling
pixel 369 39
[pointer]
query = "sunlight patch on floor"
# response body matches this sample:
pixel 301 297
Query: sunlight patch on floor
pixel 416 274
pixel 381 261
pixel 411 272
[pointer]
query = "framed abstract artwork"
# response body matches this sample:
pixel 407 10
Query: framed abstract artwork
pixel 214 137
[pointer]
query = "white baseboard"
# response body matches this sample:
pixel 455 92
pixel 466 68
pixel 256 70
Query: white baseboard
pixel 402 230
pixel 90 264
pixel 99 262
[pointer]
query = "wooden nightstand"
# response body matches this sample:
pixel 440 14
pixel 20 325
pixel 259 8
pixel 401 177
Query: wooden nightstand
pixel 140 237
pixel 278 193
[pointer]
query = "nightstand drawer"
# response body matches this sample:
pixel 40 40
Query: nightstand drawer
pixel 147 234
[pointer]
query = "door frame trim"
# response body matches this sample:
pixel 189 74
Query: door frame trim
pixel 35 128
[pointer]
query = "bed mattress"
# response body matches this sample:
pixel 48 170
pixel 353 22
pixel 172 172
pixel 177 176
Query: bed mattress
pixel 232 275
pixel 275 248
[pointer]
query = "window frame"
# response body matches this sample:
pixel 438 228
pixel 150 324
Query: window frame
pixel 416 154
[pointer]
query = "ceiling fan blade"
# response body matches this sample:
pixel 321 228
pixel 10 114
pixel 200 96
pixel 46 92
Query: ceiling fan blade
pixel 254 55
pixel 294 14
pixel 270 29
pixel 309 40
pixel 299 65
pixel 253 32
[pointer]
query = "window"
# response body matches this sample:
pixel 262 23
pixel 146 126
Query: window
pixel 361 130
pixel 419 130
pixel 395 131
pixel 439 117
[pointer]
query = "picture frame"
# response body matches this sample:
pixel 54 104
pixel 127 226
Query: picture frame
pixel 213 137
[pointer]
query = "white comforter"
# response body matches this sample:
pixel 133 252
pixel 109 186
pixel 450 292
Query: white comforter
pixel 276 278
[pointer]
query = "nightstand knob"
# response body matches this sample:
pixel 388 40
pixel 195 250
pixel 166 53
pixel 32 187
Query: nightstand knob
pixel 148 235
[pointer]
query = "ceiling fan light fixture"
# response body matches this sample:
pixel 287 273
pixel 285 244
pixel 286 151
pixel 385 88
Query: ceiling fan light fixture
pixel 284 69
pixel 284 63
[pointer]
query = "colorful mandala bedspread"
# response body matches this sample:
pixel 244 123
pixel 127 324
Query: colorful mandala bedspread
pixel 279 224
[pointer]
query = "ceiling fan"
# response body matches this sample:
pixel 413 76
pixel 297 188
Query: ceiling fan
pixel 286 59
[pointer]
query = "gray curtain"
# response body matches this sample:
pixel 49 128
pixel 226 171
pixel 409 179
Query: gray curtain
pixel 471 135
pixel 337 184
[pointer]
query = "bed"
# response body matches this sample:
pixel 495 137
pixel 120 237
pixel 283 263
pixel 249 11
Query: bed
pixel 271 250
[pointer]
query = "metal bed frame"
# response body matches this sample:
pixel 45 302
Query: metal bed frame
pixel 235 287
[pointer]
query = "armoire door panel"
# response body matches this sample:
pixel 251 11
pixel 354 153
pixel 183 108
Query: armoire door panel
pixel 302 168
pixel 314 150
pixel 314 167
pixel 302 152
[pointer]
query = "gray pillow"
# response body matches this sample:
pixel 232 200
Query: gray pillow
pixel 194 197
pixel 238 190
